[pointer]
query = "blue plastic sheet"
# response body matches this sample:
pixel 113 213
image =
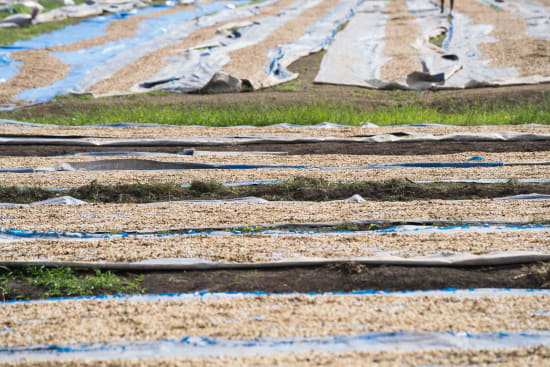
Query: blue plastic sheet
pixel 84 61
pixel 17 234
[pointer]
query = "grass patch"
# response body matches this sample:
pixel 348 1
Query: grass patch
pixel 290 86
pixel 438 40
pixel 65 281
pixel 14 9
pixel 303 114
pixel 297 189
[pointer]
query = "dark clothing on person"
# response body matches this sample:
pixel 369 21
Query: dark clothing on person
pixel 443 5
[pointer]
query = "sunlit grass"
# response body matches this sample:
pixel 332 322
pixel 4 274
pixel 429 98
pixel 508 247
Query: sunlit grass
pixel 305 114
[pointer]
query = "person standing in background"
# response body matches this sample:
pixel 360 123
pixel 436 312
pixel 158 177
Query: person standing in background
pixel 443 6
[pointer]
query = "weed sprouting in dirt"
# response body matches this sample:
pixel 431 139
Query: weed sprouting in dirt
pixel 66 281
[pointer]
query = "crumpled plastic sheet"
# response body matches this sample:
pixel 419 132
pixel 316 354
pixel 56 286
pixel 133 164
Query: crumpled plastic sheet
pixel 194 69
pixel 316 38
pixel 64 200
pixel 197 347
pixel 178 27
pixel 471 69
pixel 344 61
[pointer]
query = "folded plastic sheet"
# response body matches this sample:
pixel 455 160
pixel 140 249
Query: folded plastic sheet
pixel 533 196
pixel 315 39
pixel 201 347
pixel 179 28
pixel 356 55
pixel 469 68
pixel 64 200
pixel 194 69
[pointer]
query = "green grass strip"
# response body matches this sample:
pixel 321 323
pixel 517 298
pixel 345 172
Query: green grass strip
pixel 303 114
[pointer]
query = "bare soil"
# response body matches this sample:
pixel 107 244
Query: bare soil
pixel 335 278
pixel 402 148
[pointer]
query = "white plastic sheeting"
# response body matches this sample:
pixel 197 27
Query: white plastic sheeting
pixel 193 69
pixel 201 347
pixel 163 37
pixel 357 53
pixel 459 65
pixel 64 200
pixel 317 38
pixel 449 260
pixel 533 196
pixel 470 68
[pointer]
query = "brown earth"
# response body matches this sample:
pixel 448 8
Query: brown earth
pixel 298 149
pixel 334 278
